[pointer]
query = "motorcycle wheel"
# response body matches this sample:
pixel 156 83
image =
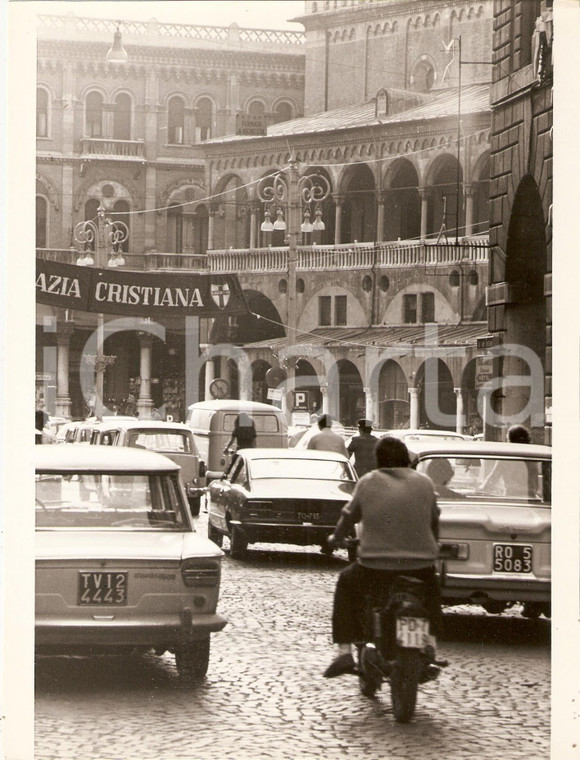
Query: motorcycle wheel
pixel 404 683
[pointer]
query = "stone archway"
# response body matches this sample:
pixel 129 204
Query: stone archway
pixel 263 323
pixel 307 380
pixel 434 385
pixel 346 393
pixel 403 209
pixel 358 220
pixel 393 411
pixel 444 183
pixel 259 384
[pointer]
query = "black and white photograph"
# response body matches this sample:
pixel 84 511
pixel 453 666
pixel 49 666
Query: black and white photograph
pixel 300 338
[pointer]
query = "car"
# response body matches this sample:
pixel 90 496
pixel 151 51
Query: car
pixel 495 524
pixel 173 439
pixel 278 496
pixel 409 435
pixel 119 566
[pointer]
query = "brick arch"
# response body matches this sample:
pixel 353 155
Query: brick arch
pixel 100 176
pixel 183 183
pixel 49 190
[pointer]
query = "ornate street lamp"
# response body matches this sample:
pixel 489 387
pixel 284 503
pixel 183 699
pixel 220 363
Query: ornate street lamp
pixel 117 53
pixel 288 187
pixel 103 237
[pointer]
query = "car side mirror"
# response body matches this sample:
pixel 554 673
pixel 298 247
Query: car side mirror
pixel 214 475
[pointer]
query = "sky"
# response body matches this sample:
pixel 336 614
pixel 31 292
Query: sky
pixel 260 14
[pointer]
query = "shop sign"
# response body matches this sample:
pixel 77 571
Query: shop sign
pixel 138 294
pixel 483 371
pixel 275 394
pixel 254 125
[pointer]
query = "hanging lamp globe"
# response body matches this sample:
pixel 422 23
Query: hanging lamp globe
pixel 117 53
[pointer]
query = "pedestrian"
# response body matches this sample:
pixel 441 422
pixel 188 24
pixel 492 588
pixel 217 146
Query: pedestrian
pixel 513 477
pixel 362 446
pixel 326 439
pixel 244 433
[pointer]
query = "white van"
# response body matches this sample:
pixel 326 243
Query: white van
pixel 212 423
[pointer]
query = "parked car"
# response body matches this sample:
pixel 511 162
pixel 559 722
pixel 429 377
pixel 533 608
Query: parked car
pixel 173 439
pixel 212 423
pixel 495 531
pixel 278 496
pixel 410 435
pixel 119 565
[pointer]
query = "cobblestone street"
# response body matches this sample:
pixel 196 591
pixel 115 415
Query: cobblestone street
pixel 264 695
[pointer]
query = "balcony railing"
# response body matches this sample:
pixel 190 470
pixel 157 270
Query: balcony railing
pixel 350 256
pixel 101 146
pixel 314 258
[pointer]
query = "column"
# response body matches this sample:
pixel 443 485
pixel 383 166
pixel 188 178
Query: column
pixel 459 410
pixel 337 219
pixel 371 411
pixel 325 399
pixel 414 408
pixel 424 195
pixel 469 193
pixel 150 242
pixel 210 228
pixel 381 218
pixel 63 400
pixel 254 211
pixel 209 376
pixel 145 402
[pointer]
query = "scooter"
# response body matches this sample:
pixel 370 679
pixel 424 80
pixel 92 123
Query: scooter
pixel 398 646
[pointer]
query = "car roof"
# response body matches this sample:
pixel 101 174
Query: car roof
pixel 293 453
pixel 77 458
pixel 234 405
pixel 129 424
pixel 400 432
pixel 480 449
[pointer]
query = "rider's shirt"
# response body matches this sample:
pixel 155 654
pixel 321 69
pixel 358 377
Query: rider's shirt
pixel 398 515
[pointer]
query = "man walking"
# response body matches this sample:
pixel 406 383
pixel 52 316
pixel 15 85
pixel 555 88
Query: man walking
pixel 363 448
pixel 326 439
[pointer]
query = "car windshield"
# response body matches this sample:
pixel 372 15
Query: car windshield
pixel 101 500
pixel 303 469
pixel 158 440
pixel 490 478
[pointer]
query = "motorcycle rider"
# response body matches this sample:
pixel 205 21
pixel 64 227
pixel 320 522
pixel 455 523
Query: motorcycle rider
pixel 399 527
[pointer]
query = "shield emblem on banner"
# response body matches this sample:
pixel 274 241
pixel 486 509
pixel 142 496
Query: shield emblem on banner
pixel 220 294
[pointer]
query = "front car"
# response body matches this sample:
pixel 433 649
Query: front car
pixel 279 496
pixel 495 524
pixel 119 566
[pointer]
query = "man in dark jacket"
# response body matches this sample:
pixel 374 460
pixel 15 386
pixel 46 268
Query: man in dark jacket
pixel 363 447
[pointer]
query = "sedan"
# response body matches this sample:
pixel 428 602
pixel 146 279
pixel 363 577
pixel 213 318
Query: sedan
pixel 119 567
pixel 278 496
pixel 495 525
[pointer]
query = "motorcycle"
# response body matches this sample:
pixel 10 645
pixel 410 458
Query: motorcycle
pixel 398 646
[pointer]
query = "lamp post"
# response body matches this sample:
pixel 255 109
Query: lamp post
pixel 100 237
pixel 295 191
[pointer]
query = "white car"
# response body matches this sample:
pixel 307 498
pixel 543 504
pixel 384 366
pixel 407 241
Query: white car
pixel 119 565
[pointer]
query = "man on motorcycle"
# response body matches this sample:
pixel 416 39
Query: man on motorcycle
pixel 399 527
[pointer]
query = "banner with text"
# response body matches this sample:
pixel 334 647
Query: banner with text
pixel 146 294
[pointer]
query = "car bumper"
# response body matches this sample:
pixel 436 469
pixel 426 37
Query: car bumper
pixel 492 587
pixel 162 631
pixel 302 534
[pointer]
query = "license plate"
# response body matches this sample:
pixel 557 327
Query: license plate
pixel 412 632
pixel 102 588
pixel 308 516
pixel 512 558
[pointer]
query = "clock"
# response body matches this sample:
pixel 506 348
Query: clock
pixel 219 388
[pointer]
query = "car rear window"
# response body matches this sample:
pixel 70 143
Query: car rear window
pixel 264 423
pixel 303 469
pixel 175 442
pixel 101 500
pixel 489 478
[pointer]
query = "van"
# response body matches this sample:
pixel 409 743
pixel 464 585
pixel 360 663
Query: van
pixel 212 423
pixel 173 439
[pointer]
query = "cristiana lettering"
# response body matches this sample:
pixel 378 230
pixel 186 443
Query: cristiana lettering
pixel 58 285
pixel 147 295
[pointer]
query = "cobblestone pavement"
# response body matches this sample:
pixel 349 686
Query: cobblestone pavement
pixel 264 696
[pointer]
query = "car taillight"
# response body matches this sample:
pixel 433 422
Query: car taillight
pixel 454 551
pixel 195 573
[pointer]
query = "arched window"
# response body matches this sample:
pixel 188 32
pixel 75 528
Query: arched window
pixel 122 117
pixel 94 114
pixel 282 112
pixel 256 109
pixel 176 121
pixel 423 77
pixel 41 112
pixel 41 222
pixel 91 208
pixel 175 230
pixel 204 119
